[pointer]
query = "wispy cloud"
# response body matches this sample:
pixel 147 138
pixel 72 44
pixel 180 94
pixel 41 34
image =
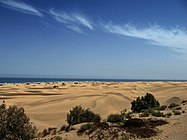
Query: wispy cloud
pixel 21 7
pixel 75 28
pixel 83 20
pixel 73 21
pixel 173 38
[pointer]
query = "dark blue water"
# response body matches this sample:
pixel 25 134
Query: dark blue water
pixel 31 80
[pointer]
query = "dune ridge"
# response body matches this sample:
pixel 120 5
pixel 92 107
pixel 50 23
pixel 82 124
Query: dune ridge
pixel 48 103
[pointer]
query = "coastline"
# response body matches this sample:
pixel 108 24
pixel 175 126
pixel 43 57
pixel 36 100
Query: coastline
pixel 24 80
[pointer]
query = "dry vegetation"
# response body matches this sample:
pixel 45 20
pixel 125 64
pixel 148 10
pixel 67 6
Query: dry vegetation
pixel 147 118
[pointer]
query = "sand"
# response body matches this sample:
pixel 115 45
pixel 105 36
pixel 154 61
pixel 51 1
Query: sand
pixel 48 103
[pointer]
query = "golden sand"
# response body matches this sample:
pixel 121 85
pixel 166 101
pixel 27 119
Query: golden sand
pixel 48 103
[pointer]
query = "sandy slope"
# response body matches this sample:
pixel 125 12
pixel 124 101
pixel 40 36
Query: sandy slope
pixel 47 106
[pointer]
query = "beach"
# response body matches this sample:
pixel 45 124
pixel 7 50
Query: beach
pixel 48 103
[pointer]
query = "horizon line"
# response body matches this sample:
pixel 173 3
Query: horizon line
pixel 89 78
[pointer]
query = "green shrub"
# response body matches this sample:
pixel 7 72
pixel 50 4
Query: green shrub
pixel 176 112
pixel 150 110
pixel 58 138
pixel 172 105
pixel 157 114
pixel 146 113
pixel 114 118
pixel 168 114
pixel 63 128
pixel 143 103
pixel 51 129
pixel 14 124
pixel 128 115
pixel 163 107
pixel 79 115
pixel 84 128
pixel 184 101
pixel 178 108
pixel 45 133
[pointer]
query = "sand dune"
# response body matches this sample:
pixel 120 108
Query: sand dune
pixel 48 103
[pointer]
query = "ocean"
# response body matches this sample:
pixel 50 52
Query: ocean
pixel 4 80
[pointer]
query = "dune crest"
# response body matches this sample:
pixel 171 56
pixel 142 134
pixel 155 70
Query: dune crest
pixel 48 103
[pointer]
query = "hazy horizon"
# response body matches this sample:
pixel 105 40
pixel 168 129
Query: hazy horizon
pixel 81 77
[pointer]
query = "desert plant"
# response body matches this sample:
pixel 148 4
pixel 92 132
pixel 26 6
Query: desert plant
pixel 152 122
pixel 66 128
pixel 157 114
pixel 172 105
pixel 123 111
pixel 58 138
pixel 45 133
pixel 178 108
pixel 146 113
pixel 79 115
pixel 114 118
pixel 145 102
pixel 63 128
pixel 128 115
pixel 143 128
pixel 184 101
pixel 175 112
pixel 14 124
pixel 163 107
pixel 51 129
pixel 84 128
pixel 55 86
pixel 168 114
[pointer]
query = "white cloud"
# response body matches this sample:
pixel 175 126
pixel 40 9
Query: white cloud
pixel 21 6
pixel 83 20
pixel 75 28
pixel 73 21
pixel 174 38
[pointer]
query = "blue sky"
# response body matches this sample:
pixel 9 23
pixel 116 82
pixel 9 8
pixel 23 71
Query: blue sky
pixel 138 39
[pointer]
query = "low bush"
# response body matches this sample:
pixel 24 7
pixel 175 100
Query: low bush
pixel 55 86
pixel 134 122
pixel 128 115
pixel 132 128
pixel 157 114
pixel 63 84
pixel 146 113
pixel 84 128
pixel 178 108
pixel 155 122
pixel 66 128
pixel 79 115
pixel 184 101
pixel 143 128
pixel 143 103
pixel 172 105
pixel 52 129
pixel 63 127
pixel 114 118
pixel 142 132
pixel 58 138
pixel 45 133
pixel 14 124
pixel 163 107
pixel 175 112
pixel 168 114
